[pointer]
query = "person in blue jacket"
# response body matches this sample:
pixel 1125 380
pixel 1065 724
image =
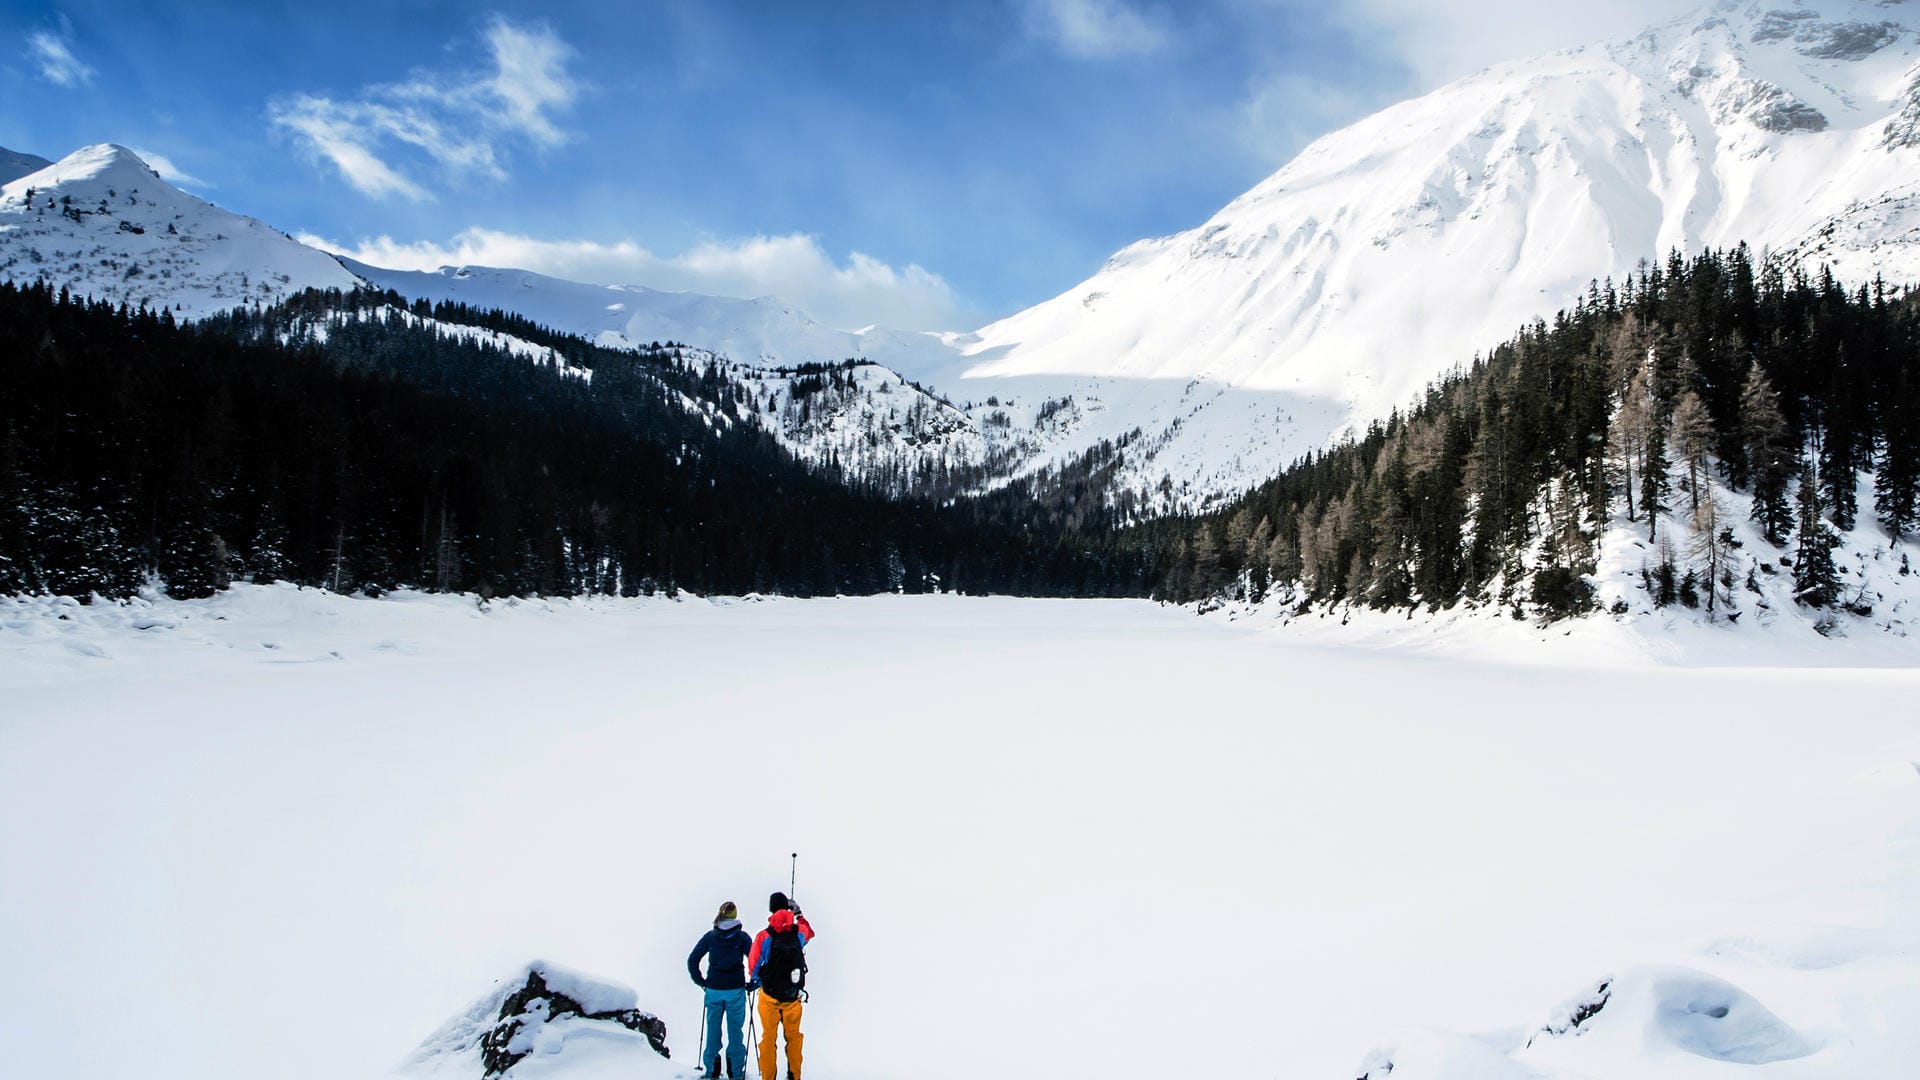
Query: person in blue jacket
pixel 725 949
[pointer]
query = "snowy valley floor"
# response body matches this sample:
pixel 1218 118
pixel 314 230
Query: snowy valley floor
pixel 286 834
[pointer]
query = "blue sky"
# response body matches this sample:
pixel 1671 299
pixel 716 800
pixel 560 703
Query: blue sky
pixel 921 165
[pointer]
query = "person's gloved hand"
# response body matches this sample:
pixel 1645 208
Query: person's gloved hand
pixel 753 986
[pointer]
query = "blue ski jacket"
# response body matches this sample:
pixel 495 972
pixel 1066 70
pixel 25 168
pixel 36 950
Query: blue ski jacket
pixel 725 949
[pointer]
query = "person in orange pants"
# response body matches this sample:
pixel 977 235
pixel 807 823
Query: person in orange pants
pixel 777 1014
pixel 778 969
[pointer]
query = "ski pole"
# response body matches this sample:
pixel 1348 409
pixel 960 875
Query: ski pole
pixel 793 874
pixel 702 1059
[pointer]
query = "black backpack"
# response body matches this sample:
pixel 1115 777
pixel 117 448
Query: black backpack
pixel 783 976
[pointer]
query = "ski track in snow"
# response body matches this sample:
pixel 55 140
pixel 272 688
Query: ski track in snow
pixel 286 833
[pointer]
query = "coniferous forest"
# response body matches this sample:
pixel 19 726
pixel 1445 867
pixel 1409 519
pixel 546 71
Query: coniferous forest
pixel 388 453
pixel 1498 483
pixel 385 454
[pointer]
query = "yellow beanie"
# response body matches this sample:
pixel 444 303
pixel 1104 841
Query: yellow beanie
pixel 727 911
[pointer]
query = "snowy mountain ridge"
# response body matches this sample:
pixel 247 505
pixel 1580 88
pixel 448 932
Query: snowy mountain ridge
pixel 100 222
pixel 319 328
pixel 1392 251
pixel 764 331
pixel 1382 256
pixel 14 165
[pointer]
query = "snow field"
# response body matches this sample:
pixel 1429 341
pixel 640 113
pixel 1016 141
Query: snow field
pixel 287 833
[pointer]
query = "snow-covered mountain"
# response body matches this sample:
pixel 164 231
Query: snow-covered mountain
pixel 830 396
pixel 1393 250
pixel 765 331
pixel 103 223
pixel 1384 255
pixel 14 165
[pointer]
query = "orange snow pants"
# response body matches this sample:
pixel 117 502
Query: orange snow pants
pixel 774 1015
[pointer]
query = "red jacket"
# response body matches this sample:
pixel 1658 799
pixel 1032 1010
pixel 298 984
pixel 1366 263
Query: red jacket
pixel 778 921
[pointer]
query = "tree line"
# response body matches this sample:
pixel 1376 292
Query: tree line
pixel 1497 484
pixel 385 453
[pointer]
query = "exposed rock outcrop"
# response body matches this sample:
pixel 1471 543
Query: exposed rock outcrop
pixel 533 1012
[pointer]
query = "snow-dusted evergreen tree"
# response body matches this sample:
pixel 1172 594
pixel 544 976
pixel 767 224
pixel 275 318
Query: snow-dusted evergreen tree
pixel 1896 498
pixel 1815 581
pixel 18 573
pixel 1654 482
pixel 1768 446
pixel 188 562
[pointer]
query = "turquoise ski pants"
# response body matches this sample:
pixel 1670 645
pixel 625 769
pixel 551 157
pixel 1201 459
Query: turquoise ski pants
pixel 731 1004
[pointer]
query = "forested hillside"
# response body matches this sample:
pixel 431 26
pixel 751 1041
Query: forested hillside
pixel 1796 390
pixel 352 442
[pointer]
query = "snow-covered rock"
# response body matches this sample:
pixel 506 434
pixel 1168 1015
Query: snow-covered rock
pixel 1657 1011
pixel 533 1014
pixel 1645 1022
pixel 102 223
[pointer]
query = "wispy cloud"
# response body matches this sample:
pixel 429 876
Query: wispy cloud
pixel 171 173
pixel 530 77
pixel 458 122
pixel 850 294
pixel 55 57
pixel 1094 29
pixel 1283 112
pixel 1440 40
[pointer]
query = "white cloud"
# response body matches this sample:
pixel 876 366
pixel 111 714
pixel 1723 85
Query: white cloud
pixel 530 77
pixel 1434 41
pixel 1284 112
pixel 168 171
pixel 57 63
pixel 456 121
pixel 1440 40
pixel 861 291
pixel 1094 29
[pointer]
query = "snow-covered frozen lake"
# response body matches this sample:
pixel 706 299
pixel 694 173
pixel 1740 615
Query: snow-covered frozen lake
pixel 286 834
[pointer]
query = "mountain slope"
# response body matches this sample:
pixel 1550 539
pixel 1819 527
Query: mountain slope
pixel 101 223
pixel 14 164
pixel 1389 252
pixel 1383 256
pixel 857 399
pixel 765 331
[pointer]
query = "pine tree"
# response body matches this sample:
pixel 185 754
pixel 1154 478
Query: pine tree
pixel 1238 542
pixel 19 571
pixel 189 559
pixel 1815 581
pixel 1896 499
pixel 1257 559
pixel 1764 436
pixel 1654 482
